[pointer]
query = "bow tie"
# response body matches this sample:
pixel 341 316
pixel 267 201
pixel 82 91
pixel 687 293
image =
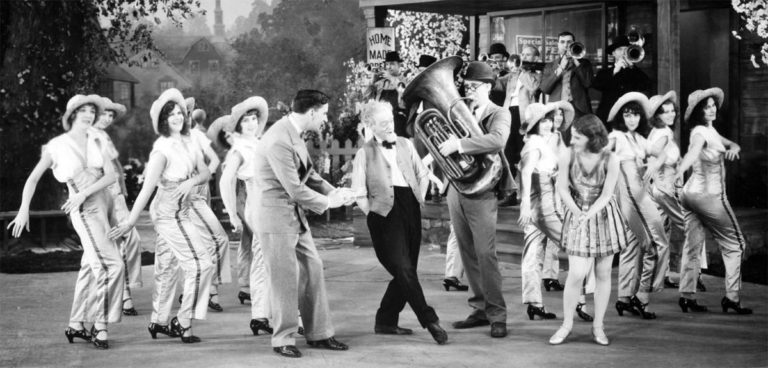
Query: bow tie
pixel 387 145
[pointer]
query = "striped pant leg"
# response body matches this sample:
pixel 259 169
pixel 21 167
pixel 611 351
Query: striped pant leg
pixel 656 257
pixel 453 265
pixel 195 260
pixel 531 265
pixel 103 257
pixel 166 277
pixel 82 310
pixel 244 254
pixel 215 238
pixel 259 287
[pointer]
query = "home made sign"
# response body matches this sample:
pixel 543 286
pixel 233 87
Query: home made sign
pixel 380 41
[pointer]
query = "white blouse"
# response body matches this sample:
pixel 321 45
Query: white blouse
pixel 547 158
pixel 246 147
pixel 180 157
pixel 69 159
pixel 671 149
pixel 629 146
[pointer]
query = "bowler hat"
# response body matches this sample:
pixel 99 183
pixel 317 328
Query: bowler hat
pixel 498 48
pixel 618 41
pixel 426 60
pixel 393 56
pixel 479 71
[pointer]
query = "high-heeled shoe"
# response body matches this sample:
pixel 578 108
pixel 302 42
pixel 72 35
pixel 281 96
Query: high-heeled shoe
pixel 700 285
pixel 180 330
pixel 243 296
pixel 155 328
pixel 553 284
pixel 686 304
pixel 582 314
pixel 129 311
pixel 213 305
pixel 640 307
pixel 453 282
pixel 98 343
pixel 736 306
pixel 559 336
pixel 539 311
pixel 599 337
pixel 623 306
pixel 71 333
pixel 257 325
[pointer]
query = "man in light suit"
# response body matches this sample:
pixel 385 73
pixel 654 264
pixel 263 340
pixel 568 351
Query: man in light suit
pixel 289 185
pixel 474 217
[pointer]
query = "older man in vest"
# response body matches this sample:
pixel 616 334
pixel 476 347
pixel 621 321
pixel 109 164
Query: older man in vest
pixel 389 181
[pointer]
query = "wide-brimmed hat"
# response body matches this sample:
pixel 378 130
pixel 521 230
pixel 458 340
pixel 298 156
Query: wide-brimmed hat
pixel 656 101
pixel 169 95
pixel 479 71
pixel 76 101
pixel 118 109
pixel 393 56
pixel 498 48
pixel 618 41
pixel 222 123
pixel 251 103
pixel 536 111
pixel 699 95
pixel 627 98
pixel 426 60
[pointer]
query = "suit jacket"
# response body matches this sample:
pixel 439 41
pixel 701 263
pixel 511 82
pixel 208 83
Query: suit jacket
pixel 614 86
pixel 527 94
pixel 496 121
pixel 287 181
pixel 581 80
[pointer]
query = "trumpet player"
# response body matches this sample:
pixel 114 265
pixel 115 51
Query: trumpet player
pixel 623 77
pixel 474 218
pixel 390 87
pixel 569 76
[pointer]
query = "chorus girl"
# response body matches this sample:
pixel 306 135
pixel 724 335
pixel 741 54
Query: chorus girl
pixel 172 165
pixel 79 160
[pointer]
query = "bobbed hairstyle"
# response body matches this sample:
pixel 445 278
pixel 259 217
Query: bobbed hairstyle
pixel 634 108
pixel 73 115
pixel 591 127
pixel 550 116
pixel 656 121
pixel 162 125
pixel 251 112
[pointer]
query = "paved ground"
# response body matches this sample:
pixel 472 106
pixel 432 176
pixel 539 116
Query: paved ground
pixel 34 309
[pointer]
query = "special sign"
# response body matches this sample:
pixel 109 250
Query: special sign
pixel 548 53
pixel 380 41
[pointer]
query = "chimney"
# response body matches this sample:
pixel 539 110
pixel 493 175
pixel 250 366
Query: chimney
pixel 218 27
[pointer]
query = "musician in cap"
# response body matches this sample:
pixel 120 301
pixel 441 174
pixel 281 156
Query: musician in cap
pixel 623 77
pixel 390 88
pixel 474 217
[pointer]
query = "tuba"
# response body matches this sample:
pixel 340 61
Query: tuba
pixel 445 114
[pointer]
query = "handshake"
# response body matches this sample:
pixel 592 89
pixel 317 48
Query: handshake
pixel 340 197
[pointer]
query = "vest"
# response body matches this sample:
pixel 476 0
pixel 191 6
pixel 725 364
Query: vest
pixel 378 175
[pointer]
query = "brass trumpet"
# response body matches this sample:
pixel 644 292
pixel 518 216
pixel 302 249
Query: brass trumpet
pixel 577 50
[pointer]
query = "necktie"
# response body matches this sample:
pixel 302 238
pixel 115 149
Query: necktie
pixel 387 145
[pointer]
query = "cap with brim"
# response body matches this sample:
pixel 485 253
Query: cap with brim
pixel 656 101
pixel 479 71
pixel 251 103
pixel 169 95
pixel 118 109
pixel 619 41
pixel 537 111
pixel 627 98
pixel 76 101
pixel 222 123
pixel 699 95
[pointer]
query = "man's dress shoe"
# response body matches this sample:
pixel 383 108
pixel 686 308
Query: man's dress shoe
pixel 471 322
pixel 391 330
pixel 498 329
pixel 437 332
pixel 329 343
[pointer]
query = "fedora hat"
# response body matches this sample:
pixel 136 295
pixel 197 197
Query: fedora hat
pixel 222 123
pixel 536 111
pixel 629 97
pixel 251 103
pixel 169 95
pixel 479 71
pixel 498 48
pixel 699 95
pixel 426 60
pixel 393 56
pixel 656 101
pixel 76 101
pixel 617 42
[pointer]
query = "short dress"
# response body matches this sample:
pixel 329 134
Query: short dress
pixel 604 234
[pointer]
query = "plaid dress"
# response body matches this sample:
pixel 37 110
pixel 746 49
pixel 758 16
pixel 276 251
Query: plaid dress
pixel 604 234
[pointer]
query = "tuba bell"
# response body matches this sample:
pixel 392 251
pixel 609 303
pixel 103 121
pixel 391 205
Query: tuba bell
pixel 445 114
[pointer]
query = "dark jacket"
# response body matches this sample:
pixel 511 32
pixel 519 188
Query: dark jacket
pixel 614 86
pixel 581 80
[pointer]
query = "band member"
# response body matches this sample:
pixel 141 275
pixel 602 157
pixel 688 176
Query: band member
pixel 249 118
pixel 642 266
pixel 390 88
pixel 540 213
pixel 390 181
pixel 209 228
pixel 175 168
pixel 497 59
pixel 289 184
pixel 78 159
pixel 474 218
pixel 593 227
pixel 623 77
pixel 130 244
pixel 567 78
pixel 705 204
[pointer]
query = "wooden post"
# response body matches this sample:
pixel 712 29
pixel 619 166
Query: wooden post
pixel 668 51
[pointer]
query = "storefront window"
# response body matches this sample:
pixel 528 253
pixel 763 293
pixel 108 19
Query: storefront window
pixel 585 24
